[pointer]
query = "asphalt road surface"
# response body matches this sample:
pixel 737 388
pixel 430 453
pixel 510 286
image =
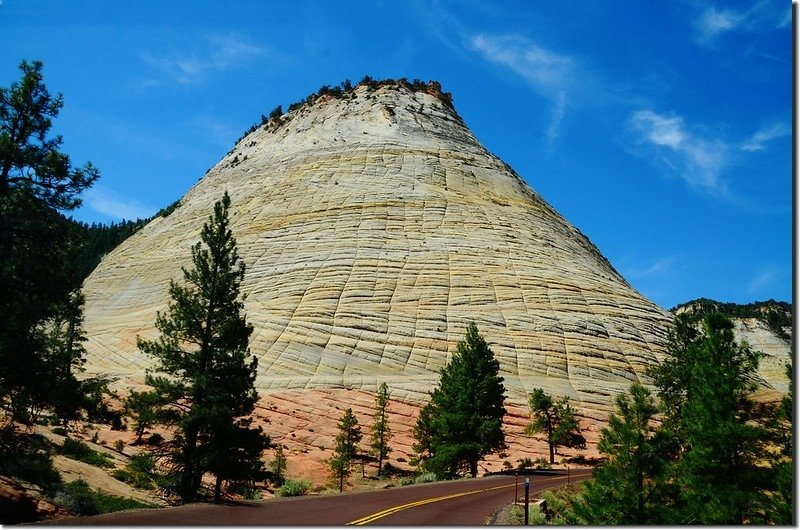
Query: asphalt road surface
pixel 461 502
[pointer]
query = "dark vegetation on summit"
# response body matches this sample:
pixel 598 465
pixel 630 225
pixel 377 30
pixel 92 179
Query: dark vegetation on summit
pixel 777 315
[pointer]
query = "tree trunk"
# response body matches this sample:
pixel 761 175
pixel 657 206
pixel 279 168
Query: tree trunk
pixel 218 489
pixel 473 467
pixel 188 489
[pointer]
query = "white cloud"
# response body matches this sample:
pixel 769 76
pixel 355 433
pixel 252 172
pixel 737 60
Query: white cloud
pixel 697 159
pixel 758 141
pixel 760 16
pixel 765 278
pixel 660 267
pixel 113 205
pixel 551 74
pixel 713 22
pixel 220 53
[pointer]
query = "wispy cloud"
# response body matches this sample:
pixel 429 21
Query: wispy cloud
pixel 713 22
pixel 759 140
pixel 550 73
pixel 214 130
pixel 659 267
pixel 697 158
pixel 218 54
pixel 765 278
pixel 115 206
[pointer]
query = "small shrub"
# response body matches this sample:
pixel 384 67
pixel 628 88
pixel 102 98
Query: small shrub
pixel 61 431
pixel 507 465
pixel 294 488
pixel 246 489
pixel 524 463
pixel 80 499
pixel 138 472
pixel 154 439
pixel 119 446
pixel 78 450
pixel 427 477
pixel 77 498
pixel 541 463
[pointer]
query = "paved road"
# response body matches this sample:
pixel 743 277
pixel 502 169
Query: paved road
pixel 462 502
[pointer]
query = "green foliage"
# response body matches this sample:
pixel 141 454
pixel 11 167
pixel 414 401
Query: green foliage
pixel 27 457
pixel 463 420
pixel 556 420
pixel 346 447
pixel 777 315
pixel 139 472
pixel 294 488
pixel 381 434
pixel 207 390
pixel 630 487
pixel 278 466
pixel 37 183
pixel 705 387
pixel 80 499
pixel 424 478
pixel 562 503
pixel 146 409
pixel 713 459
pixel 78 450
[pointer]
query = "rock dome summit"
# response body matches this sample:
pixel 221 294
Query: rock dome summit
pixel 375 227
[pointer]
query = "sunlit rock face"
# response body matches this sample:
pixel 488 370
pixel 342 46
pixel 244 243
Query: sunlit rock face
pixel 374 228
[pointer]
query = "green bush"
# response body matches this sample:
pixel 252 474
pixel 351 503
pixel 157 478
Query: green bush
pixel 138 472
pixel 427 477
pixel 78 450
pixel 77 498
pixel 294 488
pixel 246 489
pixel 80 499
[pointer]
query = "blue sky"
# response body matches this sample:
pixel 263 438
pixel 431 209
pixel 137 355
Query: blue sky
pixel 661 130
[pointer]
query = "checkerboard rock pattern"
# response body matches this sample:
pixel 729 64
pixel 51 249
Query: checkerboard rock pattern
pixel 375 227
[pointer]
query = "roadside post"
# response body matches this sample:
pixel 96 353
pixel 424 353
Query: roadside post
pixel 527 486
pixel 516 481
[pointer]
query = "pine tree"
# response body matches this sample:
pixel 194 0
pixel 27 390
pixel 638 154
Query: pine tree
pixel 381 434
pixel 556 420
pixel 65 355
pixel 705 385
pixel 208 371
pixel 346 447
pixel 463 421
pixel 630 486
pixel 278 466
pixel 37 243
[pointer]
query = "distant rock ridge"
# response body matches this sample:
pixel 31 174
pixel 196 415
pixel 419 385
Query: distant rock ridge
pixel 375 227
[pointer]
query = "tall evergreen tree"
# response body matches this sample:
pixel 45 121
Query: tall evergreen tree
pixel 346 447
pixel 556 420
pixel 463 421
pixel 631 486
pixel 37 183
pixel 208 371
pixel 381 434
pixel 705 385
pixel 65 355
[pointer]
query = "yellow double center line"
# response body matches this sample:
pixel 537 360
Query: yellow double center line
pixel 395 509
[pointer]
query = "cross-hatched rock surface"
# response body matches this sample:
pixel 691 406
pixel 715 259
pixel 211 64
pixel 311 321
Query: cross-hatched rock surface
pixel 374 228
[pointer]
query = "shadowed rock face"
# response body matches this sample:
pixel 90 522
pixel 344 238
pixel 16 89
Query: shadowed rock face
pixel 374 228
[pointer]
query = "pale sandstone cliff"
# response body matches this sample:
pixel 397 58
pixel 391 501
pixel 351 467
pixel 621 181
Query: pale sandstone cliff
pixel 374 228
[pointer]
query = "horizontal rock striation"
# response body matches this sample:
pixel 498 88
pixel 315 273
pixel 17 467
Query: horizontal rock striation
pixel 375 227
